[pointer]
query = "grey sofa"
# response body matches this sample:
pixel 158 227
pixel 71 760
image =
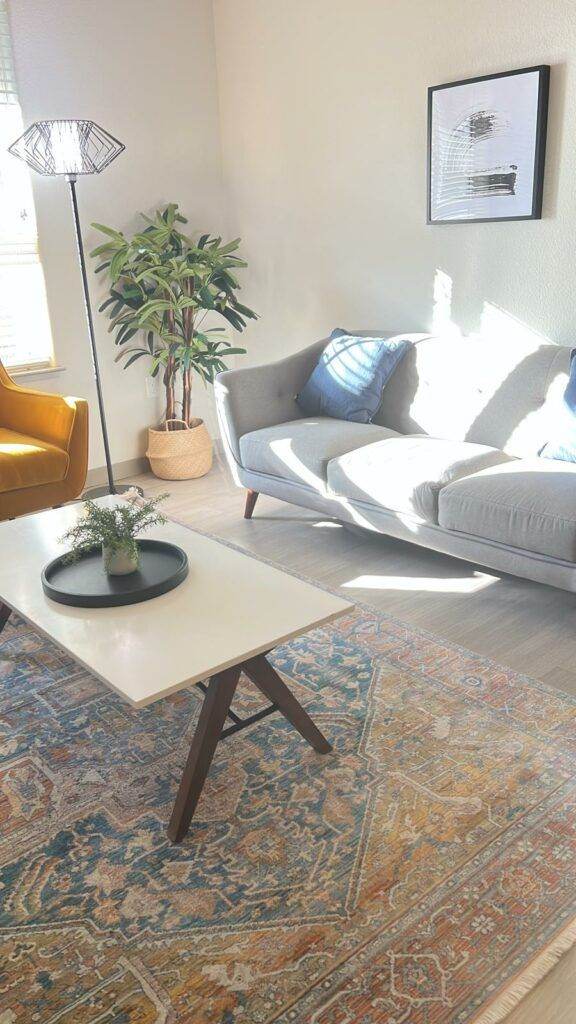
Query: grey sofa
pixel 450 461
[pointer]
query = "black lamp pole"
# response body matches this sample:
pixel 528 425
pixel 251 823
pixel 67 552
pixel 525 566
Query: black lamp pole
pixel 69 148
pixel 71 179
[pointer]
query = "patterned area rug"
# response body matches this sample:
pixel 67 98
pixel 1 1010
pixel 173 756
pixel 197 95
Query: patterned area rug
pixel 424 873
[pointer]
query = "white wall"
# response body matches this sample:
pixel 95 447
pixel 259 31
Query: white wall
pixel 145 70
pixel 323 113
pixel 320 108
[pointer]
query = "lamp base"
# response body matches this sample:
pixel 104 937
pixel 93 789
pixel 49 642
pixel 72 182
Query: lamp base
pixel 104 491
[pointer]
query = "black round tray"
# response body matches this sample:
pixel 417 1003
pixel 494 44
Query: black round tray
pixel 85 584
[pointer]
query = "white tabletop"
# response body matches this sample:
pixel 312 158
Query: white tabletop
pixel 230 607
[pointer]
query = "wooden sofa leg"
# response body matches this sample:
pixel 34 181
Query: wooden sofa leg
pixel 251 499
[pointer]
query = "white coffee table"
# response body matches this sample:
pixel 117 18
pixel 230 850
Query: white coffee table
pixel 223 620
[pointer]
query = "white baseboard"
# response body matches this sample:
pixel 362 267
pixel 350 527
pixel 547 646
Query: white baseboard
pixel 122 470
pixel 134 467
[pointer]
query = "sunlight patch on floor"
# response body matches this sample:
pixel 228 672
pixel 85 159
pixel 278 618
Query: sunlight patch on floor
pixel 429 584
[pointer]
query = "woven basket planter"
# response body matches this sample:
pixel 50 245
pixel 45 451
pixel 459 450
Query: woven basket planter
pixel 180 454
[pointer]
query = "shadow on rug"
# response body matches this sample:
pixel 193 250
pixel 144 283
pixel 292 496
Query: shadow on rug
pixel 424 873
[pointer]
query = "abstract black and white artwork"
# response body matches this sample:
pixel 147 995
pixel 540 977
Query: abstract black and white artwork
pixel 486 146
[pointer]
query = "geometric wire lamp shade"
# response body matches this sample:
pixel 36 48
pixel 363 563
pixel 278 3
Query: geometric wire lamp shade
pixel 71 148
pixel 66 147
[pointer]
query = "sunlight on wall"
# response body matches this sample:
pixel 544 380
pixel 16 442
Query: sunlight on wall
pixel 497 323
pixel 442 322
pixel 428 584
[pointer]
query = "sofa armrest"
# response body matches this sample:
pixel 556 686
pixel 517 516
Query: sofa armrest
pixel 40 414
pixel 261 396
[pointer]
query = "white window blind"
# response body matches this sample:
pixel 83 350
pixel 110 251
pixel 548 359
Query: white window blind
pixel 25 336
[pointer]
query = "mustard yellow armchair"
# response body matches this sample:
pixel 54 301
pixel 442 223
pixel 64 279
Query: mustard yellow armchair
pixel 43 448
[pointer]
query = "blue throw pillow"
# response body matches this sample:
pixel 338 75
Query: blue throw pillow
pixel 563 445
pixel 348 380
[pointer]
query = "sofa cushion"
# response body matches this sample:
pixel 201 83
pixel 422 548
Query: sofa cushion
pixel 529 504
pixel 405 474
pixel 27 462
pixel 301 449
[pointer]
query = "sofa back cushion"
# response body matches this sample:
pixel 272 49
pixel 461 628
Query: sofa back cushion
pixel 562 442
pixel 496 392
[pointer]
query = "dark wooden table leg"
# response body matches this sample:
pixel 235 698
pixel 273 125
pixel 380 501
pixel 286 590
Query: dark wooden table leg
pixel 266 678
pixel 5 613
pixel 212 717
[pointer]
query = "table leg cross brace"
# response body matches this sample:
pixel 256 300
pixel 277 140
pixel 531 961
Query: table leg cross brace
pixel 241 723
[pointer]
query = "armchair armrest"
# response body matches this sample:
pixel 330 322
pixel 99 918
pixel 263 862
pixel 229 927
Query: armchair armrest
pixel 261 396
pixel 40 414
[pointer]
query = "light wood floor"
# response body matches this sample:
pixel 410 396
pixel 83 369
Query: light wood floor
pixel 524 625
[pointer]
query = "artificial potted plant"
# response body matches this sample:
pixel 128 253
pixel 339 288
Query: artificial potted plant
pixel 115 531
pixel 164 283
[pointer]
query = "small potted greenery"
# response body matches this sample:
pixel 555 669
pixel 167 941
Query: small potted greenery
pixel 165 284
pixel 115 530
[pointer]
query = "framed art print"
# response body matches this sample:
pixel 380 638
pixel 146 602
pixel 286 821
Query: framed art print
pixel 486 147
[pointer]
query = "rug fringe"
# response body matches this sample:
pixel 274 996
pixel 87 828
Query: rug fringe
pixel 507 1001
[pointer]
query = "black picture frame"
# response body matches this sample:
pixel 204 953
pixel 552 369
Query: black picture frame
pixel 543 71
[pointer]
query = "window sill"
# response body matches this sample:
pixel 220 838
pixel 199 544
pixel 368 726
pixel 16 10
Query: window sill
pixel 40 371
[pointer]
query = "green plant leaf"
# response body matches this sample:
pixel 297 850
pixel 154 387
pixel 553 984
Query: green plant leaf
pixel 104 250
pixel 111 232
pixel 117 264
pixel 125 334
pixel 134 357
pixel 233 318
pixel 230 247
pixel 245 311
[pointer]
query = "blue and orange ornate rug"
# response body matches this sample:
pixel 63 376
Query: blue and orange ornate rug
pixel 424 873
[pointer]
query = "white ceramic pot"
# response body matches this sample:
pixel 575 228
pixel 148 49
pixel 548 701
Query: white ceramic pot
pixel 122 560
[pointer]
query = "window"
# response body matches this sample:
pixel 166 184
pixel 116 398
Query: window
pixel 25 336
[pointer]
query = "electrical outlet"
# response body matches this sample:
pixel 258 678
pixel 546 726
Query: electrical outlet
pixel 152 387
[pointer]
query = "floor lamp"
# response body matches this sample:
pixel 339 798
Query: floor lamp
pixel 70 148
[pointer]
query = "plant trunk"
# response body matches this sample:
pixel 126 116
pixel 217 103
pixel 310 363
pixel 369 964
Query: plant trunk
pixel 188 321
pixel 170 373
pixel 169 389
pixel 186 395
